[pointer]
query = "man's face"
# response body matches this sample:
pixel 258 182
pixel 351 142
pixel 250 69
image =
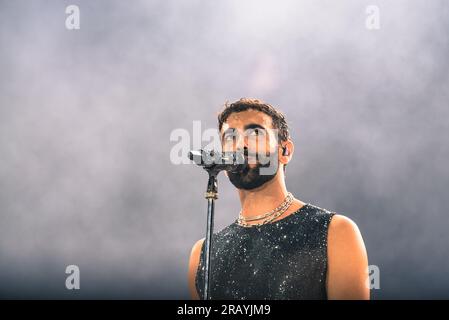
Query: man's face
pixel 252 132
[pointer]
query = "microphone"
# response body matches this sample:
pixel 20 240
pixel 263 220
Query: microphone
pixel 233 162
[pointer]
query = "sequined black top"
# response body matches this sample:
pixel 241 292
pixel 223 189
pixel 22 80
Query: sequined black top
pixel 285 259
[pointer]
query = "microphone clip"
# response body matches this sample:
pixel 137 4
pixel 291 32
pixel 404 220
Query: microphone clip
pixel 214 162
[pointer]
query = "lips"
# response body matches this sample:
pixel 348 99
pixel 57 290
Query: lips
pixel 245 170
pixel 251 160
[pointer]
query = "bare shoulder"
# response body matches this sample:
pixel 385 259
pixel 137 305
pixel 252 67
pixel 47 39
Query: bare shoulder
pixel 197 246
pixel 347 260
pixel 195 253
pixel 344 237
pixel 194 261
pixel 342 227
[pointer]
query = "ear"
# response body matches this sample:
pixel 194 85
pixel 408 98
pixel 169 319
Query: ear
pixel 286 150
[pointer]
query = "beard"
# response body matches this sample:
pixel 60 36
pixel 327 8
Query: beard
pixel 251 178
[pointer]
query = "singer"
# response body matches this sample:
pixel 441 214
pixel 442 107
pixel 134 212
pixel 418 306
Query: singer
pixel 279 247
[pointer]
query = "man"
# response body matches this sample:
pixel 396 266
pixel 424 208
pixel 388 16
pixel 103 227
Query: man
pixel 279 247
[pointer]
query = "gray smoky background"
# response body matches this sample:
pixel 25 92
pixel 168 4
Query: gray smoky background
pixel 86 117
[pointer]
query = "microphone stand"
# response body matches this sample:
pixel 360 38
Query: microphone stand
pixel 211 195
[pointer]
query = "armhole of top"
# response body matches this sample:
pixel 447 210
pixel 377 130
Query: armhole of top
pixel 326 232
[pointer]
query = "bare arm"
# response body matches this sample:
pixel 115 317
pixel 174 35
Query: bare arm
pixel 193 266
pixel 347 272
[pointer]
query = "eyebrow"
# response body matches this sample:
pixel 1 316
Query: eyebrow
pixel 254 126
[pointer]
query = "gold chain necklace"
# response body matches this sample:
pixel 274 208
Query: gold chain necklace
pixel 273 214
pixel 262 216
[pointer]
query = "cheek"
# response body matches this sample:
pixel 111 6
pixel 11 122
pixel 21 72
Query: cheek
pixel 270 145
pixel 261 144
pixel 228 146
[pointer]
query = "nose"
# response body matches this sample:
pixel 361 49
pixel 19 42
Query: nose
pixel 241 142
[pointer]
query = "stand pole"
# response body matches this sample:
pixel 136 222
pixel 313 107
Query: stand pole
pixel 211 195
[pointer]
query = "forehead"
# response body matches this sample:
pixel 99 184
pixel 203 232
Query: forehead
pixel 240 119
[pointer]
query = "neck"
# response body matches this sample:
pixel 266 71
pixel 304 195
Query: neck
pixel 264 198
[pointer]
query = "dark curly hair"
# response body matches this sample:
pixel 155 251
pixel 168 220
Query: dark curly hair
pixel 277 118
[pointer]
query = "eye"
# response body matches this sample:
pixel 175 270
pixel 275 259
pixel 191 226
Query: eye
pixel 228 137
pixel 256 132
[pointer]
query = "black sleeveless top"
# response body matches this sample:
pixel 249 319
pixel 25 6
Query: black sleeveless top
pixel 284 259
